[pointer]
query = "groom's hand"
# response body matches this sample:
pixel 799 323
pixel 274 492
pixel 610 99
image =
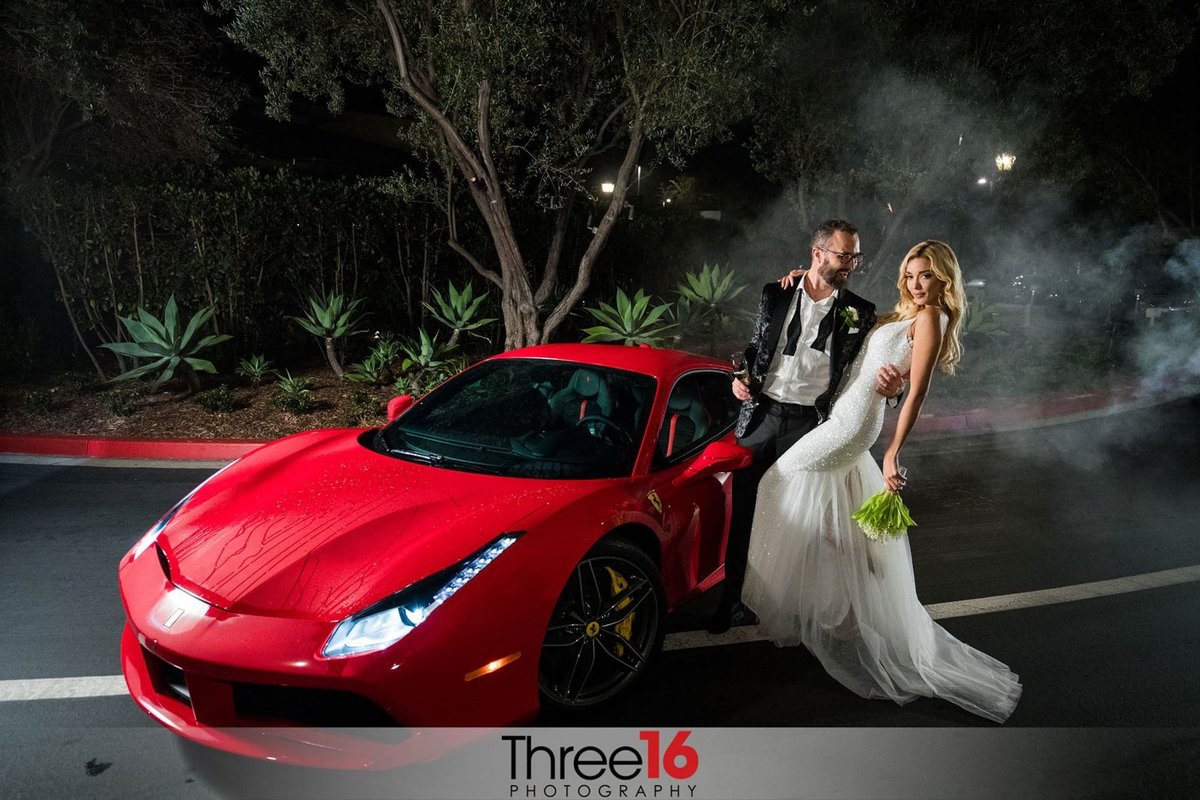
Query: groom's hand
pixel 888 381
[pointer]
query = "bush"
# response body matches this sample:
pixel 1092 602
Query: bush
pixel 216 400
pixel 363 406
pixel 293 394
pixel 38 401
pixel 374 369
pixel 257 368
pixel 122 401
pixel 77 381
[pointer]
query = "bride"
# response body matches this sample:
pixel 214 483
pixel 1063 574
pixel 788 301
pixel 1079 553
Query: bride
pixel 814 577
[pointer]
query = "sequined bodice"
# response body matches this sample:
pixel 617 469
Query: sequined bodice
pixel 857 414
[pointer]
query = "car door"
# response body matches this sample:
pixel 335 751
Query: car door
pixel 695 511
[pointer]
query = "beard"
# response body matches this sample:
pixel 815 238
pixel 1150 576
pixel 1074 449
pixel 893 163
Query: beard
pixel 833 273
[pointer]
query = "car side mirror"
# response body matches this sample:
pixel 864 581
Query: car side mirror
pixel 717 457
pixel 398 405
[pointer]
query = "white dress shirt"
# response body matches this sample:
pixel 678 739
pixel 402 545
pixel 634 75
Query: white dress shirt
pixel 803 377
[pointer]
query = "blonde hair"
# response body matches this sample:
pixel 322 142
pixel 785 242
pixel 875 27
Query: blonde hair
pixel 944 265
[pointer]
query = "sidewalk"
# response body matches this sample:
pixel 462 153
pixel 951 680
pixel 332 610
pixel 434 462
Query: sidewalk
pixel 1044 411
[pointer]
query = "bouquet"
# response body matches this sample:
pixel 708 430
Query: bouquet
pixel 883 517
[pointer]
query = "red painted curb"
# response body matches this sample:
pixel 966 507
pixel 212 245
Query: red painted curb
pixel 99 447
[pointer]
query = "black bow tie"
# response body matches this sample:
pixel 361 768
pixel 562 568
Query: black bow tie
pixel 823 330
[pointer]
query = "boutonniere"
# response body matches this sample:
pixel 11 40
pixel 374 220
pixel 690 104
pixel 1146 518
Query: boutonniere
pixel 849 316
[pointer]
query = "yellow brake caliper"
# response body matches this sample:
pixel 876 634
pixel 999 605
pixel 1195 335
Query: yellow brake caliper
pixel 624 627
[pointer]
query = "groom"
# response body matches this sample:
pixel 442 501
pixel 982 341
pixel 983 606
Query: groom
pixel 804 339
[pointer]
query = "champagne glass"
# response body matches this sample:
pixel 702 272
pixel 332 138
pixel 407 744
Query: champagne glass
pixel 740 370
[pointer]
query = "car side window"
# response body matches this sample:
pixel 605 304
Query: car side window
pixel 700 408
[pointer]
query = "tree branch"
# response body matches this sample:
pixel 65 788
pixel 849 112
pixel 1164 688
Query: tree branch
pixel 474 262
pixel 466 159
pixel 485 133
pixel 603 229
pixel 554 256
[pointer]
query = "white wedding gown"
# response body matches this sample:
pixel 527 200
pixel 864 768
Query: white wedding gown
pixel 815 578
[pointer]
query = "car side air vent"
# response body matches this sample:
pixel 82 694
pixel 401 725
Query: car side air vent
pixel 162 561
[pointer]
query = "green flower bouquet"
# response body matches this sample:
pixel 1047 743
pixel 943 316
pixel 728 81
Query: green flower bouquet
pixel 884 517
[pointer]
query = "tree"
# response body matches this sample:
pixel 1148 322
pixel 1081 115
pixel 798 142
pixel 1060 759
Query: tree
pixel 98 83
pixel 514 103
pixel 884 110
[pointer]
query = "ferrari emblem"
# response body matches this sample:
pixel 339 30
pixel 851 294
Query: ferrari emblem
pixel 655 500
pixel 592 629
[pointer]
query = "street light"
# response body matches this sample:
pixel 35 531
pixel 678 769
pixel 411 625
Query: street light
pixel 607 187
pixel 1005 161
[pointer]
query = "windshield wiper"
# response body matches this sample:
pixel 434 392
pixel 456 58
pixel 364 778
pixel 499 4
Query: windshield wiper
pixel 432 459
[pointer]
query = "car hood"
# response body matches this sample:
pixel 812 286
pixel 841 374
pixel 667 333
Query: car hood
pixel 319 526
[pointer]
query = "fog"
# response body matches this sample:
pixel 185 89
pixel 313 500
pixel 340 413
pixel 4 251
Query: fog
pixel 1078 289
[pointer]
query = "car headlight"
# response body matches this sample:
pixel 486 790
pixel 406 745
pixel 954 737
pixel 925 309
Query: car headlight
pixel 390 620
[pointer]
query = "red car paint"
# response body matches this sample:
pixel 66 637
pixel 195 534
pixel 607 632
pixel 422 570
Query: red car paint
pixel 236 596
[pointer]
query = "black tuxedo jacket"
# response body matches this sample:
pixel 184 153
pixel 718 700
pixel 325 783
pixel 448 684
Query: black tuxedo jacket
pixel 842 347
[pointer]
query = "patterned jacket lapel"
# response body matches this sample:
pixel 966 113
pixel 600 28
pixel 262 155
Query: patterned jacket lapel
pixel 778 322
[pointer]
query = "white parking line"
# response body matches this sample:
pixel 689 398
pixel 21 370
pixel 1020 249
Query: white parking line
pixel 62 688
pixel 109 685
pixel 127 463
pixel 981 605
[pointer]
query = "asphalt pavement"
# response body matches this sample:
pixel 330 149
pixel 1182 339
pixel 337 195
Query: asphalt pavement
pixel 1061 506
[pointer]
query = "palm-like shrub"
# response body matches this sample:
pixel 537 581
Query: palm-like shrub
pixel 377 367
pixel 630 321
pixel 982 320
pixel 690 319
pixel 162 341
pixel 330 317
pixel 293 394
pixel 457 311
pixel 712 288
pixel 257 368
pixel 426 362
pixel 707 299
pixel 374 369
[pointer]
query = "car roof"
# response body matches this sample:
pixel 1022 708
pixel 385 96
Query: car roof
pixel 656 361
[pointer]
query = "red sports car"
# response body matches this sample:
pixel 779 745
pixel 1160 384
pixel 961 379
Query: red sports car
pixel 514 538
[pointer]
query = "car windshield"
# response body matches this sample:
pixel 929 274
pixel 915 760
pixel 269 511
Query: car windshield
pixel 535 418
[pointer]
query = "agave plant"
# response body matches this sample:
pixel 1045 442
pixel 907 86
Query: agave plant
pixel 170 350
pixel 375 369
pixel 426 360
pixel 712 289
pixel 631 321
pixel 293 394
pixel 982 319
pixel 330 317
pixel 457 312
pixel 256 368
pixel 387 347
pixel 691 319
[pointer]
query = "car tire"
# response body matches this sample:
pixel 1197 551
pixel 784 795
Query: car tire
pixel 606 628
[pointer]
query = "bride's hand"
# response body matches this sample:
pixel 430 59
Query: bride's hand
pixel 787 280
pixel 894 475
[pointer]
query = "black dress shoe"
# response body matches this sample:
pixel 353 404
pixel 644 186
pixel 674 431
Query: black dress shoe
pixel 743 616
pixel 729 614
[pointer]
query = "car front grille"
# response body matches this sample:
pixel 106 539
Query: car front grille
pixel 249 704
pixel 168 679
pixel 321 708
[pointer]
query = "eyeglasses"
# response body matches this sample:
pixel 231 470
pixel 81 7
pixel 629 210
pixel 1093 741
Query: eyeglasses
pixel 846 258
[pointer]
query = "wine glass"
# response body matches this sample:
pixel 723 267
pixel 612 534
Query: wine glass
pixel 740 370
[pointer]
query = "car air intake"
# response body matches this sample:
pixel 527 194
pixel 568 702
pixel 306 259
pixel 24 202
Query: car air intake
pixel 162 561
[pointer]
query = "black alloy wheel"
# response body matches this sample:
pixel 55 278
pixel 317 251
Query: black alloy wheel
pixel 606 628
